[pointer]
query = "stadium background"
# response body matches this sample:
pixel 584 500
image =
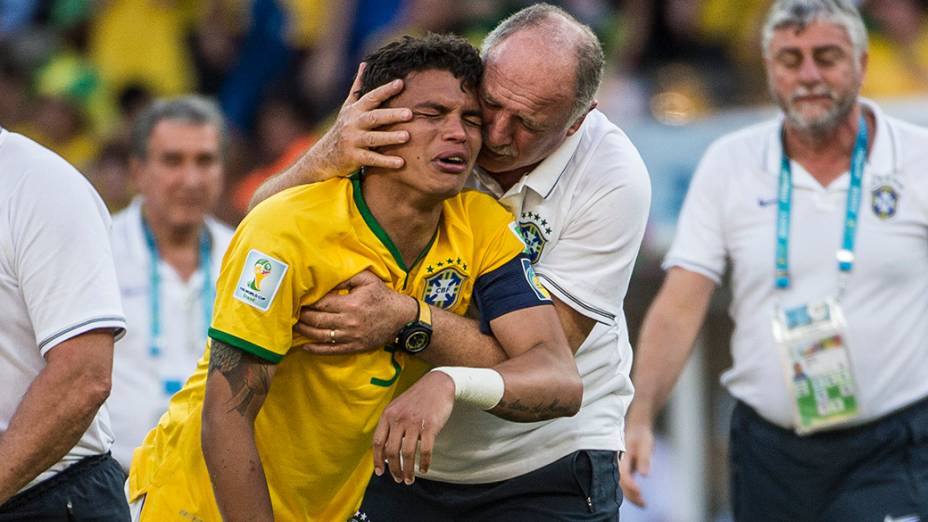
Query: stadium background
pixel 679 73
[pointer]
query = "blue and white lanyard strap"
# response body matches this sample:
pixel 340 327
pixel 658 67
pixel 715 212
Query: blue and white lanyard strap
pixel 206 293
pixel 845 255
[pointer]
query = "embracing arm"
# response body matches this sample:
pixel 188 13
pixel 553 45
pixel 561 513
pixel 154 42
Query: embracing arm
pixel 347 146
pixel 56 409
pixel 458 341
pixel 369 316
pixel 236 386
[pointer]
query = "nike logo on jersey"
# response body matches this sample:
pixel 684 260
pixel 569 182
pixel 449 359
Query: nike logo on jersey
pixel 762 202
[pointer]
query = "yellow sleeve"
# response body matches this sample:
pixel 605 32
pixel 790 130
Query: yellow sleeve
pixel 495 226
pixel 262 280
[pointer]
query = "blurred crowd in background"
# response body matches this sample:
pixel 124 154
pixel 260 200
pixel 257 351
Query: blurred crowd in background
pixel 74 72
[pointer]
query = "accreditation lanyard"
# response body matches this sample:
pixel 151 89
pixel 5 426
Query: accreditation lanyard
pixel 845 255
pixel 206 292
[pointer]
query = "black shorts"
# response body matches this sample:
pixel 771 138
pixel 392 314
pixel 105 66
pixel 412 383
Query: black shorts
pixel 877 471
pixel 89 489
pixel 581 486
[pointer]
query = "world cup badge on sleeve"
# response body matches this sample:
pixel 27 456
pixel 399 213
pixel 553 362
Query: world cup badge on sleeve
pixel 260 280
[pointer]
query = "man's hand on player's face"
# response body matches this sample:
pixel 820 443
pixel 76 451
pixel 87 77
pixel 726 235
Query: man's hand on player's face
pixel 366 318
pixel 355 132
pixel 410 424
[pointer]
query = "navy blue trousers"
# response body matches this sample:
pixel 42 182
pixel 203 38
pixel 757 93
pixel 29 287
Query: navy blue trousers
pixel 877 471
pixel 90 490
pixel 581 486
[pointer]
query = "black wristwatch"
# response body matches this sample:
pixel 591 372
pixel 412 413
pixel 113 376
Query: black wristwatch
pixel 415 336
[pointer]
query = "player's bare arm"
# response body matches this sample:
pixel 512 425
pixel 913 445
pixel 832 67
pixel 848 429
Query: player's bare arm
pixel 541 379
pixel 348 144
pixel 57 409
pixel 236 385
pixel 576 328
pixel 540 382
pixel 249 383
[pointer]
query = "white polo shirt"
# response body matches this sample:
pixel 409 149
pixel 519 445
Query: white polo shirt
pixel 144 382
pixel 57 279
pixel 729 216
pixel 583 211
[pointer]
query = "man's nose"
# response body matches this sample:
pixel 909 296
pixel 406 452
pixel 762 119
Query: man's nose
pixel 809 72
pixel 454 129
pixel 497 132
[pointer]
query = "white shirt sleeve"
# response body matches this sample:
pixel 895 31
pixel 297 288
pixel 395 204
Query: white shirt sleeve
pixel 699 245
pixel 62 255
pixel 591 265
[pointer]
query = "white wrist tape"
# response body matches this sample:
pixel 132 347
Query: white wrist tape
pixel 479 387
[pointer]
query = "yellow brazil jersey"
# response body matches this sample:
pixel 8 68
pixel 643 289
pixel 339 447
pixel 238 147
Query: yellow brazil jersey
pixel 315 428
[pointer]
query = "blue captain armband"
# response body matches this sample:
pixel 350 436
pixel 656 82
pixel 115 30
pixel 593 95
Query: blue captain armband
pixel 510 287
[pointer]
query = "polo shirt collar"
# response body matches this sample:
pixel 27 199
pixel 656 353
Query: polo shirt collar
pixel 881 161
pixel 545 176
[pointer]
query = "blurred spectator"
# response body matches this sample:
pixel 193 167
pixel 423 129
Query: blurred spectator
pixel 283 135
pixel 144 42
pixel 61 125
pixel 263 58
pixel 325 70
pixel 898 63
pixel 14 103
pixel 109 174
pixel 215 41
pixel 72 106
pixel 167 251
pixel 418 17
pixel 130 102
pixel 16 15
pixel 688 71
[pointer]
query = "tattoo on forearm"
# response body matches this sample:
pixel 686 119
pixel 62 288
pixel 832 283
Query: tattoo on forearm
pixel 248 377
pixel 529 412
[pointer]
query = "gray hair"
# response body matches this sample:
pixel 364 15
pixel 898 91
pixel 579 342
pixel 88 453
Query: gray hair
pixel 801 13
pixel 588 51
pixel 192 108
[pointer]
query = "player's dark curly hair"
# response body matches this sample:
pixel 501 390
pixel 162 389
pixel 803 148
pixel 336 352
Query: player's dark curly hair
pixel 445 52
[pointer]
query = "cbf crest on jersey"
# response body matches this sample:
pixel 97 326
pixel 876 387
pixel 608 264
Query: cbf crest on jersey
pixel 443 288
pixel 884 196
pixel 535 231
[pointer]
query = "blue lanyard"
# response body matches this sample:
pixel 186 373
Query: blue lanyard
pixel 845 255
pixel 206 293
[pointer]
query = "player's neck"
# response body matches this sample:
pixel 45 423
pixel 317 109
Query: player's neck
pixel 826 155
pixel 409 221
pixel 178 246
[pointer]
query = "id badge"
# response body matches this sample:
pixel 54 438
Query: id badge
pixel 812 341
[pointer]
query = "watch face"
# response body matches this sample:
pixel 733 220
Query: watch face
pixel 417 341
